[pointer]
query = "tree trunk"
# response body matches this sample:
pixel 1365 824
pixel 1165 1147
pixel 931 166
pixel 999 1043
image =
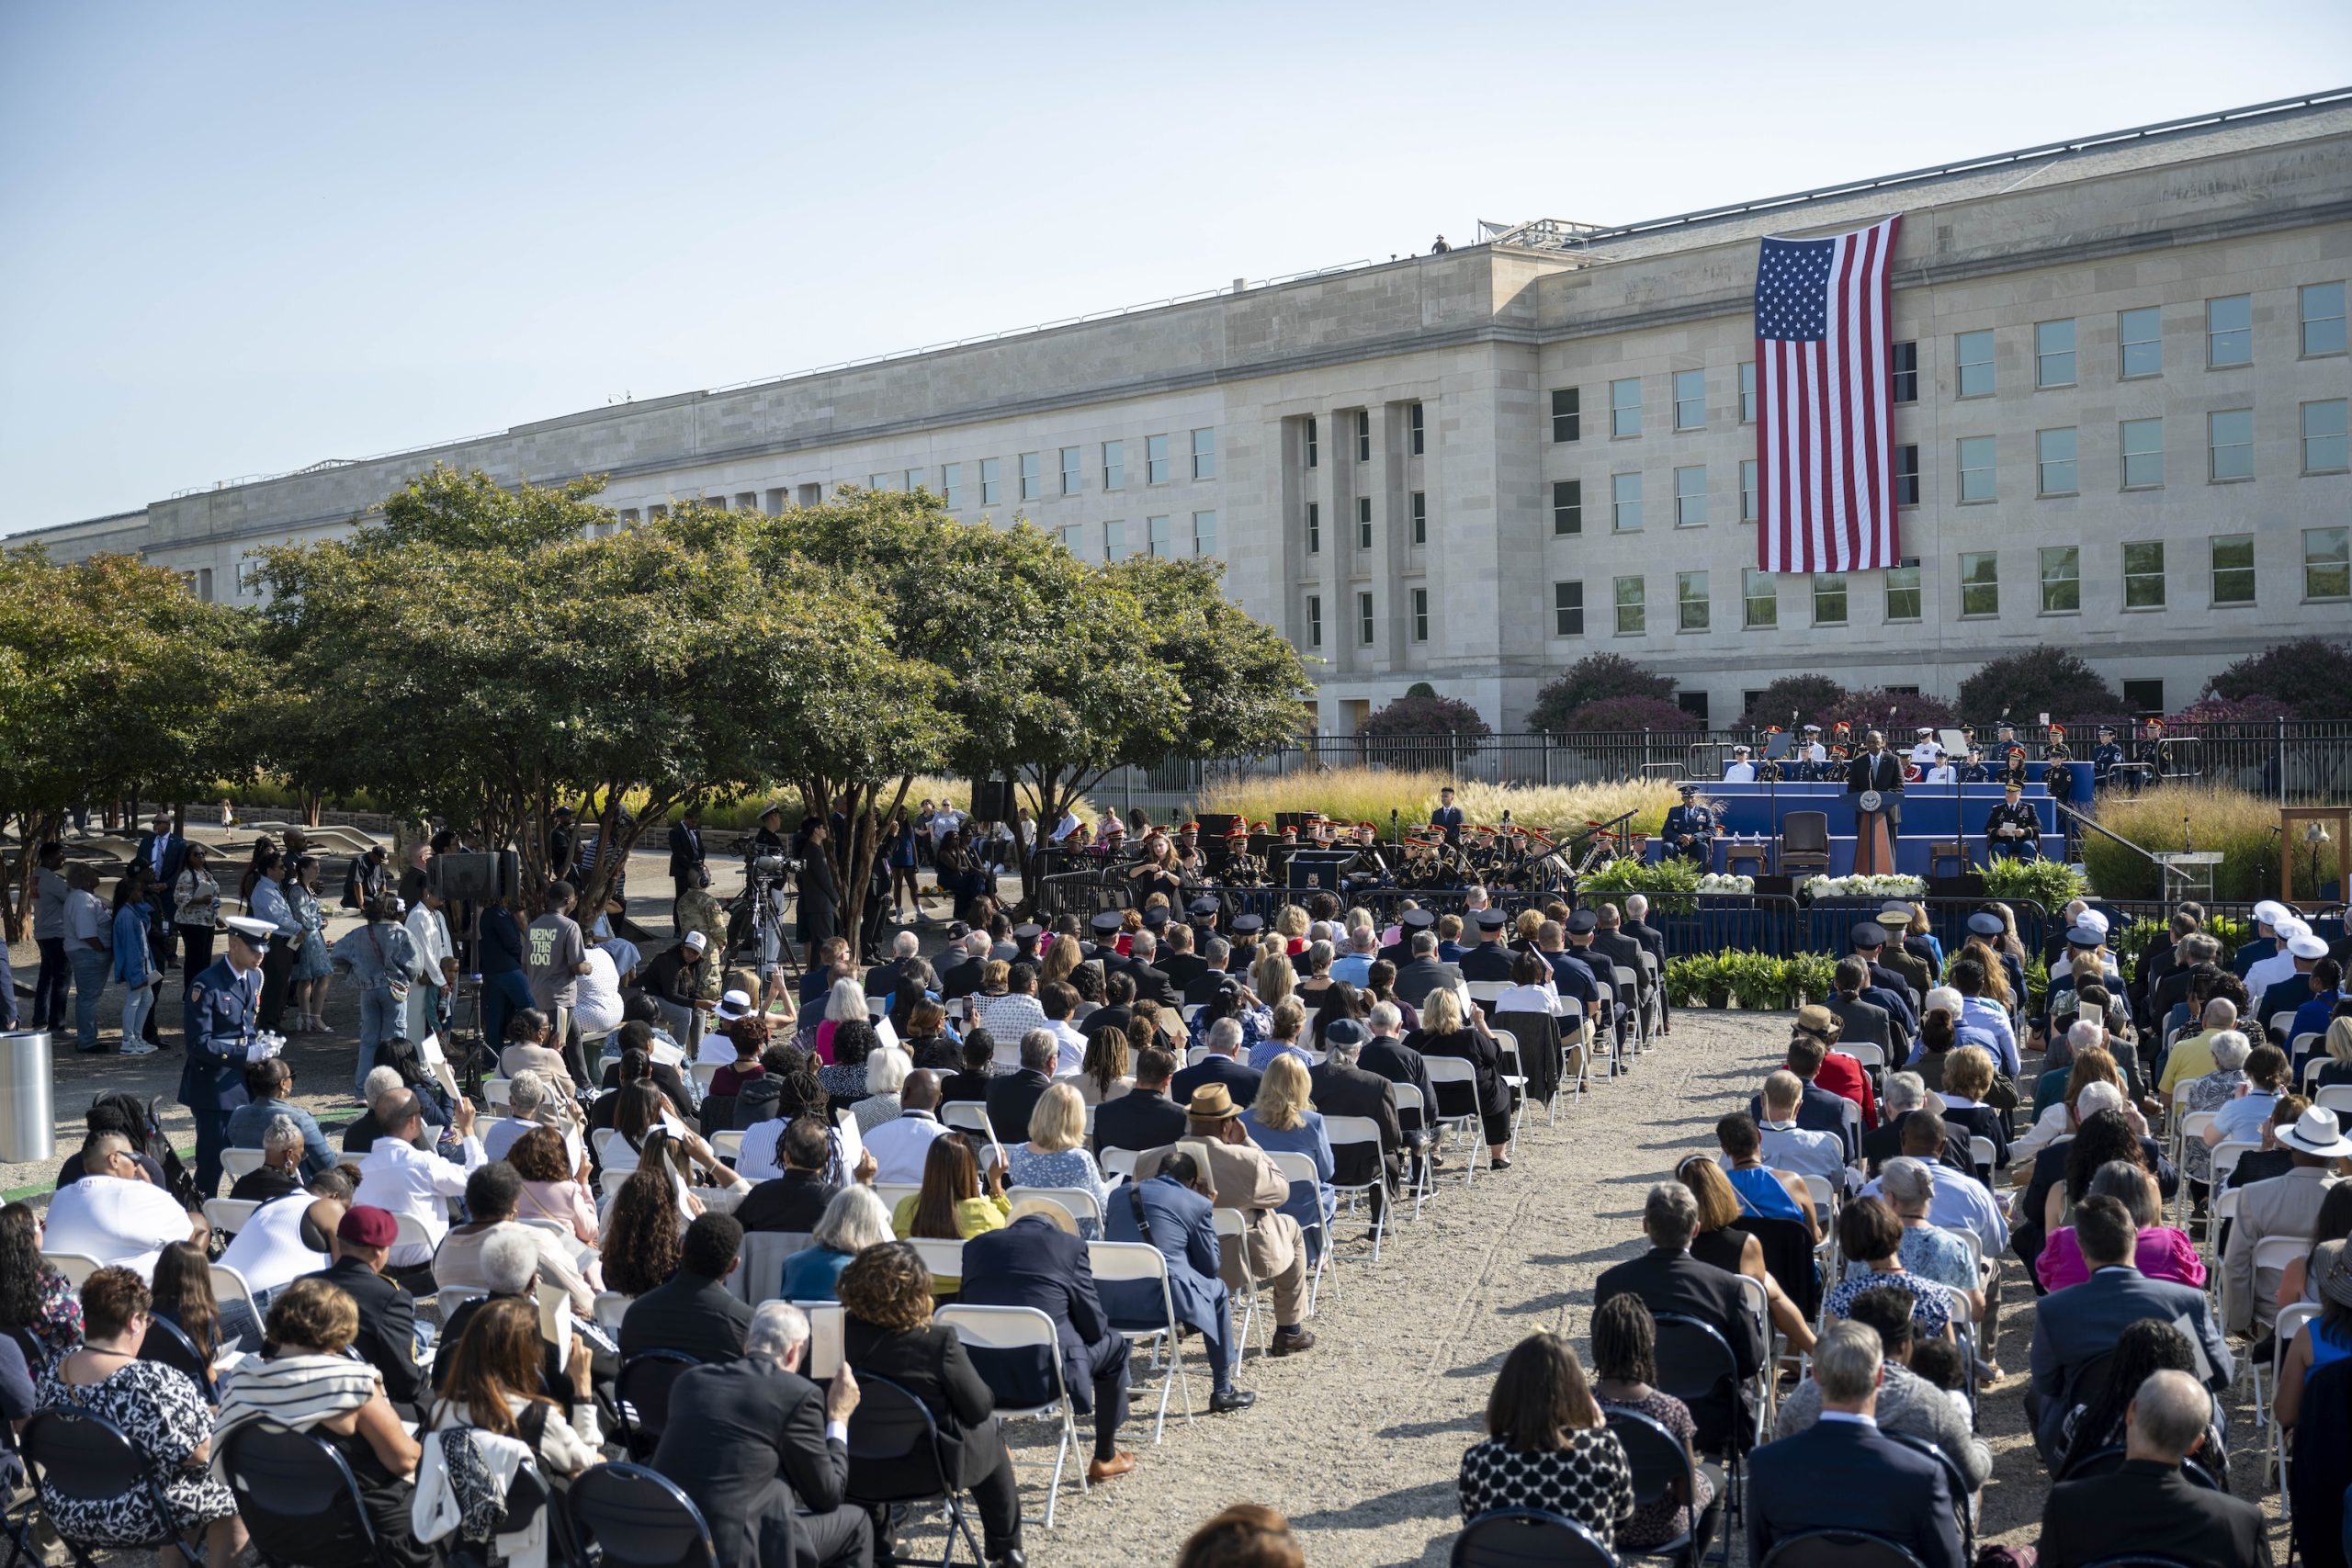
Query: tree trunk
pixel 37 828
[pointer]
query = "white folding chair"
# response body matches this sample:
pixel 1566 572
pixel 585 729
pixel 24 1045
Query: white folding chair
pixel 2226 1156
pixel 1233 1242
pixel 2336 1096
pixel 1119 1261
pixel 1981 1151
pixel 448 1299
pixel 2313 1064
pixel 2271 1252
pixel 493 1093
pixel 238 1164
pixel 1117 1163
pixel 1196 1055
pixel 76 1266
pixel 409 1231
pixel 1487 990
pixel 1453 1069
pixel 1418 1172
pixel 972 1115
pixel 1514 1076
pixel 943 1256
pixel 728 1144
pixel 1346 1132
pixel 228 1215
pixel 228 1285
pixel 611 1307
pixel 1017 1328
pixel 2276 1455
pixel 704 1073
pixel 2187 1127
pixel 1296 1168
pixel 1868 1052
pixel 2281 1024
pixel 602 1141
pixel 891 1192
pixel 1075 1202
pixel 1191 1011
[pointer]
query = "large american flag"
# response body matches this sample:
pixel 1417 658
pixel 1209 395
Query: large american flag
pixel 1825 454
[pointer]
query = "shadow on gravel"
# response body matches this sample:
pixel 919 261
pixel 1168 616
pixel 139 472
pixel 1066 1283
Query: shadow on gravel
pixel 1473 1423
pixel 1433 1500
pixel 1544 1304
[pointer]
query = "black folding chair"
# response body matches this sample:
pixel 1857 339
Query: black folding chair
pixel 637 1518
pixel 1954 1482
pixel 300 1501
pixel 2108 1461
pixel 2142 1560
pixel 895 1457
pixel 168 1344
pixel 79 1457
pixel 1696 1364
pixel 1839 1549
pixel 1662 1469
pixel 1528 1538
pixel 642 1394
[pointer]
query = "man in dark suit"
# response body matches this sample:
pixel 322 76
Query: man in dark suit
pixel 1342 1088
pixel 1447 818
pixel 164 854
pixel 1860 1021
pixel 794 1201
pixel 1144 1117
pixel 687 868
pixel 1216 956
pixel 821 896
pixel 386 1338
pixel 1118 991
pixel 1880 769
pixel 2078 1326
pixel 903 967
pixel 1175 1212
pixel 979 1071
pixel 1152 985
pixel 1222 1064
pixel 692 1310
pixel 1668 1279
pixel 2148 1505
pixel 1625 953
pixel 1488 959
pixel 1388 1055
pixel 1637 926
pixel 1034 1263
pixel 1424 972
pixel 1412 922
pixel 1180 962
pixel 755 1443
pixel 959 967
pixel 1012 1096
pixel 1841 1474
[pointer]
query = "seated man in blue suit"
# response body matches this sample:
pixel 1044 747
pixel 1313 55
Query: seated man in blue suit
pixel 1220 1065
pixel 2078 1326
pixel 1174 1212
pixel 1033 1262
pixel 1841 1474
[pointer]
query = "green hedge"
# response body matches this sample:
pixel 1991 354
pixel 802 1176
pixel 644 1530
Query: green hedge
pixel 1755 981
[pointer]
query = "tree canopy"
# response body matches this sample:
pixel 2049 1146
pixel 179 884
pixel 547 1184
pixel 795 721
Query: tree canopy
pixel 2310 677
pixel 2033 682
pixel 1592 679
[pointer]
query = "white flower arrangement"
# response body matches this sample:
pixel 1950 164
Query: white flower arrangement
pixel 1865 887
pixel 1715 882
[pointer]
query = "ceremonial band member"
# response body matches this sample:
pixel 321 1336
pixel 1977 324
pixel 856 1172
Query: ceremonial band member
pixel 1880 769
pixel 222 1020
pixel 2013 765
pixel 2013 827
pixel 1689 830
pixel 2106 757
pixel 1447 818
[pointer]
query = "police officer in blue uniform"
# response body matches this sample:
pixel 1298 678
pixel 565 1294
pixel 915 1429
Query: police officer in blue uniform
pixel 222 1021
pixel 1689 830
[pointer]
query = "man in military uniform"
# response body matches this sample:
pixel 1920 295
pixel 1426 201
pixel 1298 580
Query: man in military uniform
pixel 698 911
pixel 1813 756
pixel 1922 749
pixel 2150 753
pixel 2105 759
pixel 1689 830
pixel 2013 827
pixel 222 1021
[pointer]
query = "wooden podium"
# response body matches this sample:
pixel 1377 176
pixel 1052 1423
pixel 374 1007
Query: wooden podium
pixel 1874 847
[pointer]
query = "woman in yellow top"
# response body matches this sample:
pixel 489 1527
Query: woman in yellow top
pixel 951 1206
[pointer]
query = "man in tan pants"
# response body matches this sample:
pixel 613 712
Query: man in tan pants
pixel 1244 1177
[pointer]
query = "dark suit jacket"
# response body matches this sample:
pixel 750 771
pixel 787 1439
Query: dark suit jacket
pixel 1011 1096
pixel 1624 952
pixel 1139 1119
pixel 1201 988
pixel 1678 1282
pixel 1352 1092
pixel 1840 1474
pixel 1155 986
pixel 1401 1063
pixel 1604 975
pixel 1416 978
pixel 687 1313
pixel 1032 1263
pixel 387 1326
pixel 685 850
pixel 2149 1506
pixel 1183 969
pixel 1865 1022
pixel 175 860
pixel 793 1201
pixel 1883 1142
pixel 1486 961
pixel 2077 1326
pixel 1238 1078
pixel 1649 936
pixel 960 980
pixel 963 1086
pixel 2285 997
pixel 746 1442
pixel 931 1364
pixel 1882 773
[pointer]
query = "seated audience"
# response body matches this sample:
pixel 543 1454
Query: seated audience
pixel 1625 1368
pixel 2284 1205
pixel 1547 1444
pixel 492 1194
pixel 1173 1211
pixel 1055 1153
pixel 526 1050
pixel 280 1171
pixel 899 1145
pixel 2163 1252
pixel 795 1199
pixel 951 1204
pixel 268 1083
pixel 113 1213
pixel 1669 1280
pixel 691 1311
pixel 643 1233
pixel 1909 1404
pixel 1786 1145
pixel 853 1220
pixel 490 1381
pixel 386 1337
pixel 2148 1505
pixel 1247 1535
pixel 1284 1120
pixel 553 1187
pixel 1870 1239
pixel 402 1179
pixel 37 1301
pixel 182 1296
pixel 1144 1117
pixel 1011 1097
pixel 1245 1179
pixel 532 1100
pixel 885 1073
pixel 1034 1262
pixel 1907 1187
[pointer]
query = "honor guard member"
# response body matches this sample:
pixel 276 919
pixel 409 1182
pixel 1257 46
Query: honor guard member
pixel 769 840
pixel 1689 830
pixel 223 1018
pixel 1742 768
pixel 1923 747
pixel 1447 818
pixel 2150 754
pixel 1107 925
pixel 2013 766
pixel 1975 769
pixel 1246 930
pixel 1814 755
pixel 1968 738
pixel 2105 759
pixel 2013 829
pixel 1201 915
pixel 2005 735
pixel 1409 924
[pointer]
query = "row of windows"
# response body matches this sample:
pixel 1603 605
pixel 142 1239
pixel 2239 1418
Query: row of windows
pixel 2229 343
pixel 1416 434
pixel 2326 572
pixel 1158 538
pixel 1416 522
pixel 1367 618
pixel 955 481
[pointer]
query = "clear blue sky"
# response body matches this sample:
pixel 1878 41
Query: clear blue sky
pixel 242 238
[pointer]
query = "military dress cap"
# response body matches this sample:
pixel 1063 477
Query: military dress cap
pixel 2270 912
pixel 1898 913
pixel 1986 923
pixel 1028 930
pixel 1492 919
pixel 2095 921
pixel 1582 922
pixel 1249 925
pixel 1739 751
pixel 1869 933
pixel 1155 917
pixel 1417 919
pixel 258 933
pixel 1812 730
pixel 2106 729
pixel 768 811
pixel 1686 788
pixel 366 1225
pixel 2086 936
pixel 1107 921
pixel 2306 946
pixel 1205 907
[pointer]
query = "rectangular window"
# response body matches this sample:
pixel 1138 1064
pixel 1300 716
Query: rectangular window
pixel 1906 476
pixel 1690 497
pixel 2143 441
pixel 1625 406
pixel 1204 454
pixel 877 481
pixel 1747 392
pixel 1761 594
pixel 1365 624
pixel 1363 521
pixel 1568 506
pixel 2324 433
pixel 2327 563
pixel 1421 516
pixel 1032 476
pixel 2229 331
pixel 991 480
pixel 1314 528
pixel 1567 419
pixel 1689 399
pixel 776 497
pixel 1114 540
pixel 2229 444
pixel 1073 465
pixel 1114 464
pixel 2144 697
pixel 1690 600
pixel 1314 451
pixel 1416 430
pixel 1980 583
pixel 2141 342
pixel 1156 467
pixel 2053 452
pixel 2143 574
pixel 2062 579
pixel 1904 365
pixel 1828 598
pixel 1314 620
pixel 1568 609
pixel 2233 569
pixel 1694 703
pixel 1072 535
pixel 2053 354
pixel 1748 490
pixel 1420 614
pixel 1205 533
pixel 1625 502
pixel 1160 538
pixel 915 481
pixel 1977 475
pixel 1903 590
pixel 1363 436
pixel 1632 609
pixel 951 484
pixel 2321 305
pixel 1973 352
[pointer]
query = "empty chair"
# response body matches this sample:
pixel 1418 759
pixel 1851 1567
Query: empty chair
pixel 1528 1538
pixel 642 1392
pixel 1805 843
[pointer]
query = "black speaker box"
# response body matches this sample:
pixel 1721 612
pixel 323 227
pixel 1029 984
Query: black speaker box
pixel 474 878
pixel 1215 825
pixel 1775 886
pixel 992 800
pixel 1318 869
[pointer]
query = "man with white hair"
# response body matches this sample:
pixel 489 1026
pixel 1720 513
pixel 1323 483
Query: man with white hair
pixel 1355 965
pixel 532 1101
pixel 755 1443
pixel 2147 1505
pixel 380 1088
pixel 2190 1055
pixel 1222 1066
pixel 960 977
pixel 1387 1053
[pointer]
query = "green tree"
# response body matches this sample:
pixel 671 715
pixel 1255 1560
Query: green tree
pixel 2033 682
pixel 2312 676
pixel 1592 679
pixel 1410 717
pixel 1811 699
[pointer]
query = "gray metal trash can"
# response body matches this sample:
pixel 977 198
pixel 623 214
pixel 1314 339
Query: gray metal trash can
pixel 28 1120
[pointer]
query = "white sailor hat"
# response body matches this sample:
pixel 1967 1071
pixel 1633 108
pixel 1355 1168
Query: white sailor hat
pixel 2095 919
pixel 2270 912
pixel 1925 729
pixel 1812 730
pixel 2307 946
pixel 258 933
